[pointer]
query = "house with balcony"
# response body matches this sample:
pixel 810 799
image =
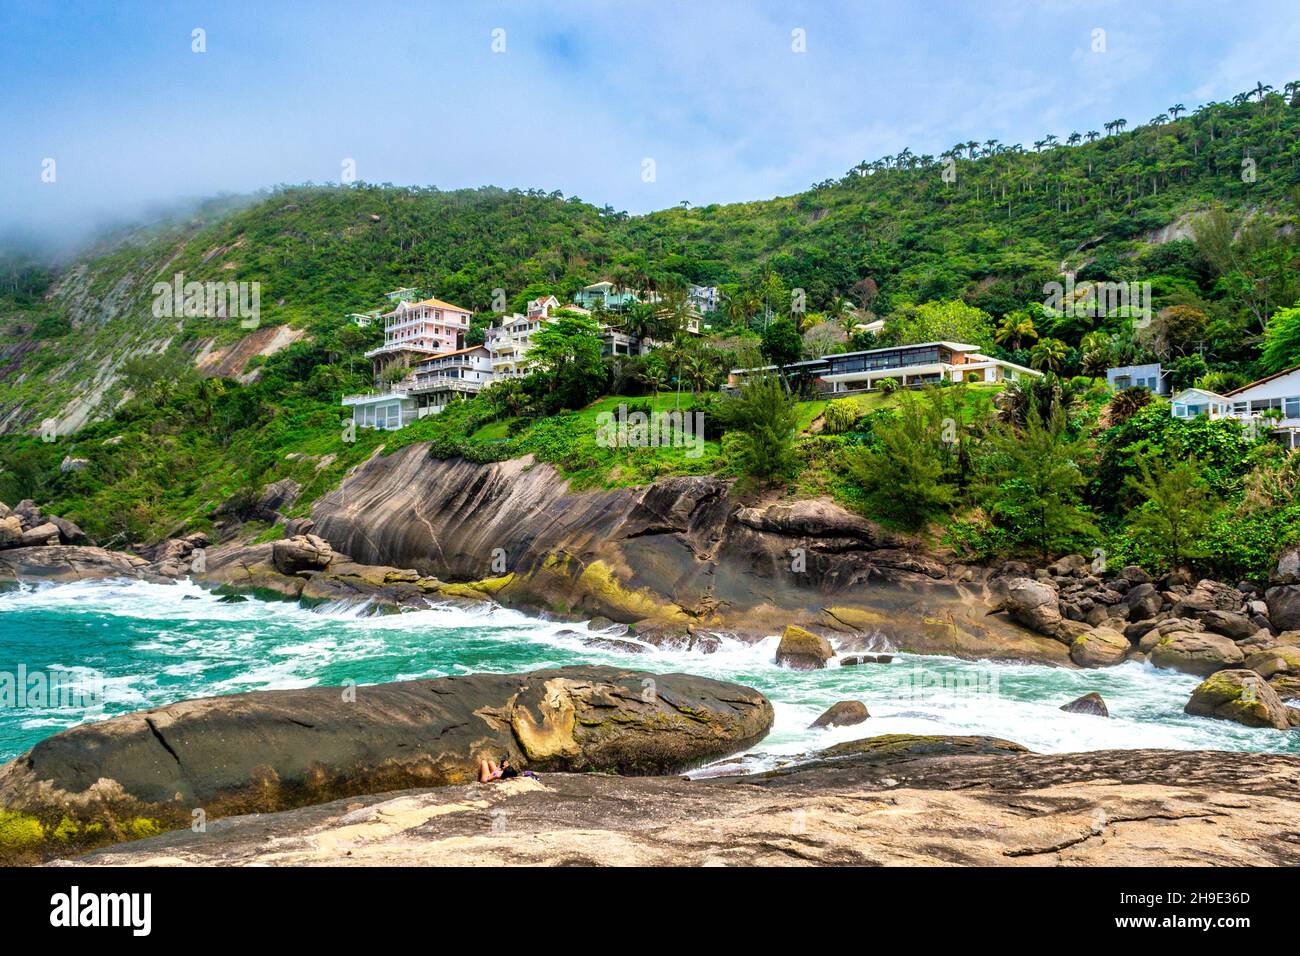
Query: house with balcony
pixel 415 331
pixel 1151 377
pixel 509 342
pixel 1273 402
pixel 909 366
pixel 429 387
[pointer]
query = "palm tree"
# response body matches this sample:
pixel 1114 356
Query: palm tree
pixel 1016 327
pixel 1176 109
pixel 1291 88
pixel 1092 135
pixel 1073 139
pixel 1048 355
pixel 990 147
pixel 1160 119
pixel 1120 124
pixel 1259 91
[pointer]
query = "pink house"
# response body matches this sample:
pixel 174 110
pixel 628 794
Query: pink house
pixel 417 330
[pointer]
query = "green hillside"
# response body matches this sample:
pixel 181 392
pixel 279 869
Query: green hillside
pixel 1202 205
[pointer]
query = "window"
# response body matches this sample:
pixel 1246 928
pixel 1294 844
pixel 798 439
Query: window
pixel 1292 409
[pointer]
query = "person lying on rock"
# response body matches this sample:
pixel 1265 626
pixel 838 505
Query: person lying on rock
pixel 489 770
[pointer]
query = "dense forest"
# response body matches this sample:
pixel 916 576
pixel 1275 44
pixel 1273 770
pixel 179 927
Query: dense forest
pixel 1199 204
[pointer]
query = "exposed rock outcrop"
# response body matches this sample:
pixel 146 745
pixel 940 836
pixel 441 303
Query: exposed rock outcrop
pixel 60 564
pixel 902 801
pixel 679 552
pixel 271 750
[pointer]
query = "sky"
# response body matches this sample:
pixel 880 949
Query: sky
pixel 635 105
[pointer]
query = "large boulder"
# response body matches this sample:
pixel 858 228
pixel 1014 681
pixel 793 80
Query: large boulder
pixel 1209 596
pixel 69 532
pixel 1035 604
pixel 803 650
pixel 1144 602
pixel 845 713
pixel 1284 606
pixel 38 536
pixel 1231 624
pixel 273 750
pixel 1200 653
pixel 1100 647
pixel 1241 695
pixel 301 554
pixel 11 531
pixel 1283 659
pixel 1288 567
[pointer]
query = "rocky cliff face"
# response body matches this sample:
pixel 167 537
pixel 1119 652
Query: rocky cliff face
pixel 678 555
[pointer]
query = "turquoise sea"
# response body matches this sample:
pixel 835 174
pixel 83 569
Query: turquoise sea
pixel 142 645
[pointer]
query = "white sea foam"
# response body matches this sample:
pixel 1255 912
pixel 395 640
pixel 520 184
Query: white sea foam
pixel 167 642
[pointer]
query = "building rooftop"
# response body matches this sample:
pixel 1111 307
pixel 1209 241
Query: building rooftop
pixel 1266 378
pixel 954 346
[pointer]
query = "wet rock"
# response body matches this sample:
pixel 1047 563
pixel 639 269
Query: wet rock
pixel 273 750
pixel 1101 647
pixel 803 650
pixel 1195 653
pixel 845 713
pixel 1243 696
pixel 858 659
pixel 302 553
pixel 613 644
pixel 1087 704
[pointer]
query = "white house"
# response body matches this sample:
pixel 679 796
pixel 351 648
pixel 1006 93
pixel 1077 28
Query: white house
pixel 430 386
pixel 1261 402
pixel 1151 377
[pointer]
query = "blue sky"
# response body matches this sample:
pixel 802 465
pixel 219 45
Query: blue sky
pixel 583 93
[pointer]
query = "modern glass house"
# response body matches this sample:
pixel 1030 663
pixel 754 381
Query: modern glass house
pixel 909 366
